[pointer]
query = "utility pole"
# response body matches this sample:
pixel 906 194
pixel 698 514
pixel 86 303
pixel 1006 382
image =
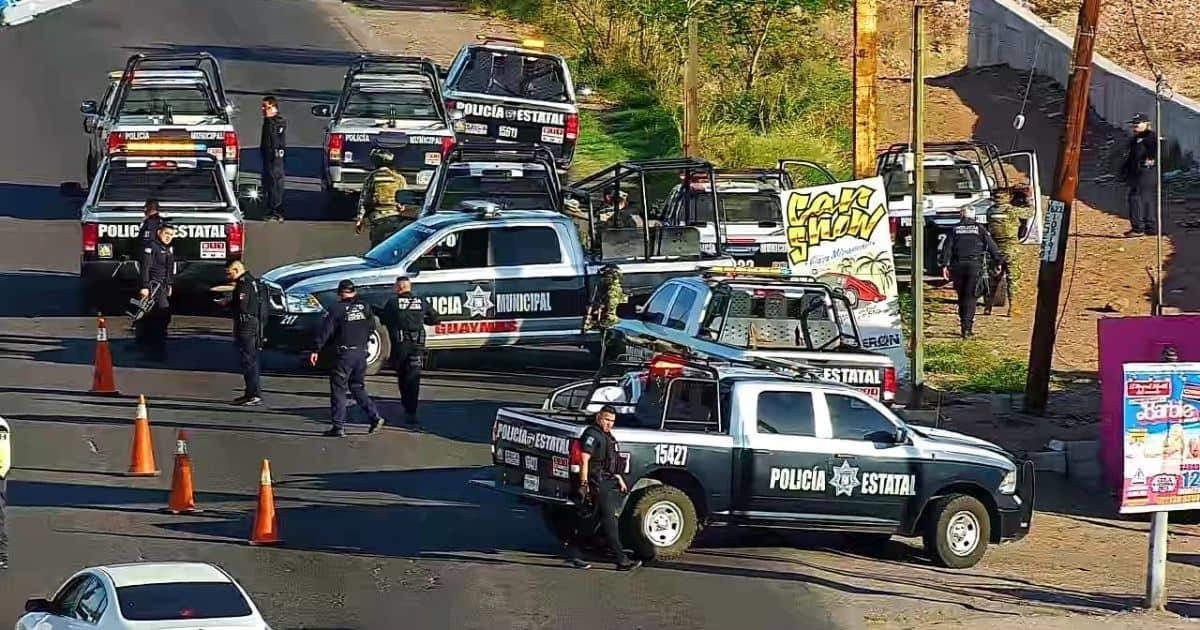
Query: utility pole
pixel 917 146
pixel 1162 92
pixel 691 91
pixel 866 64
pixel 1058 219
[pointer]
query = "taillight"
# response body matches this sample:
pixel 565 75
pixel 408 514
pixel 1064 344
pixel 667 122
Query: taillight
pixel 114 142
pixel 237 237
pixel 91 234
pixel 893 226
pixel 576 456
pixel 572 126
pixel 451 105
pixel 336 140
pixel 447 145
pixel 231 146
pixel 889 384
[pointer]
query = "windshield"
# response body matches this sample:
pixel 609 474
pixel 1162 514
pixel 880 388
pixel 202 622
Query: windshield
pixel 383 104
pixel 133 184
pixel 781 319
pixel 528 192
pixel 939 180
pixel 399 245
pixel 499 73
pixel 178 100
pixel 741 207
pixel 182 600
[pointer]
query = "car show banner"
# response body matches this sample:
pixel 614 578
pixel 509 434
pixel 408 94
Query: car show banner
pixel 1162 437
pixel 839 234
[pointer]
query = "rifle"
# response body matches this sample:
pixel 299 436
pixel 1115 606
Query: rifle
pixel 143 306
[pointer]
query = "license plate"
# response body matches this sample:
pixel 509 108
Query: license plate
pixel 217 152
pixel 531 462
pixel 512 458
pixel 507 132
pixel 774 248
pixel 433 158
pixel 424 177
pixel 553 135
pixel 531 483
pixel 475 129
pixel 779 264
pixel 906 221
pixel 104 250
pixel 873 392
pixel 212 249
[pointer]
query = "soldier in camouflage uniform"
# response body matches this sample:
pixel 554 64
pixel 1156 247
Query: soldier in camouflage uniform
pixel 1004 225
pixel 377 204
pixel 602 312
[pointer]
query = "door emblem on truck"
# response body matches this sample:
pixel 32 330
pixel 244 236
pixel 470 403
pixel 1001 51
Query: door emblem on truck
pixel 845 479
pixel 479 301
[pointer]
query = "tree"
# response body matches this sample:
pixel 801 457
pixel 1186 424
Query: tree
pixel 750 26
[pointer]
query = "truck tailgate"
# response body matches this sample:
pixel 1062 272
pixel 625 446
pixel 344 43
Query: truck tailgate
pixel 532 454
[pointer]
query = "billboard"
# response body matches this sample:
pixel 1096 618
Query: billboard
pixel 1161 436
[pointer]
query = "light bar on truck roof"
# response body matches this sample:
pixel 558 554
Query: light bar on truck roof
pixel 532 44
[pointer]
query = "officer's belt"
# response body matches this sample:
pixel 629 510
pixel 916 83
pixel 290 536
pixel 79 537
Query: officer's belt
pixel 382 212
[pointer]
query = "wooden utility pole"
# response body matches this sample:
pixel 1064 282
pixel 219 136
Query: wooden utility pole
pixel 866 64
pixel 1058 218
pixel 917 146
pixel 691 91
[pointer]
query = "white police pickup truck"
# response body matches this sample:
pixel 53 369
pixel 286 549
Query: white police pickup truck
pixel 708 443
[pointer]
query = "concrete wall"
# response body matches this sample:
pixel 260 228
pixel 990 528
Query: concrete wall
pixel 1004 32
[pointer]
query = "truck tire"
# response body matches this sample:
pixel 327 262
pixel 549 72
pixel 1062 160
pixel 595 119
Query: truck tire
pixel 660 523
pixel 379 349
pixel 957 531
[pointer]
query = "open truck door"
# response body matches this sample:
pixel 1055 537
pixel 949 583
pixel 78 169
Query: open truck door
pixel 1021 169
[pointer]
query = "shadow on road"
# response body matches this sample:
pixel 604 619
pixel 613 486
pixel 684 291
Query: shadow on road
pixel 37 293
pixel 33 201
pixel 419 6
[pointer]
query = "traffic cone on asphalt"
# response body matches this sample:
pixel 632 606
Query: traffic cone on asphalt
pixel 142 460
pixel 103 379
pixel 181 499
pixel 266 529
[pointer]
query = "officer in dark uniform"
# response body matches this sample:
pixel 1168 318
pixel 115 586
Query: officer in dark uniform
pixel 601 482
pixel 271 146
pixel 963 262
pixel 406 316
pixel 247 304
pixel 158 272
pixel 348 325
pixel 151 223
pixel 1140 174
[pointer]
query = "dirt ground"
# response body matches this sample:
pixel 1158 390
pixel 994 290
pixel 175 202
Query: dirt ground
pixel 1079 566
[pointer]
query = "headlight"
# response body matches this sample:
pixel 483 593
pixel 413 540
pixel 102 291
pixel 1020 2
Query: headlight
pixel 1009 484
pixel 306 303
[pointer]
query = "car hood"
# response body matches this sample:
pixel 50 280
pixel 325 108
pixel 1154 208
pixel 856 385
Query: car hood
pixel 958 443
pixel 320 275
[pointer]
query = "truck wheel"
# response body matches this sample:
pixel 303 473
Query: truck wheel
pixel 852 296
pixel 379 348
pixel 957 531
pixel 660 523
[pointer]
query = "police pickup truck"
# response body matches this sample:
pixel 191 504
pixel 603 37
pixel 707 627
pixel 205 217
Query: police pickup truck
pixel 716 443
pixel 177 100
pixel 193 193
pixel 513 91
pixel 496 278
pixel 513 177
pixel 740 313
pixel 393 103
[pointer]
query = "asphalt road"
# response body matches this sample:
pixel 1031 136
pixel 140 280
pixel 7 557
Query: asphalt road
pixel 380 532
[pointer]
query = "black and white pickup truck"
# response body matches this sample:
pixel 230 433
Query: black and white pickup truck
pixel 193 193
pixel 514 91
pixel 742 313
pixel 513 177
pixel 716 443
pixel 495 277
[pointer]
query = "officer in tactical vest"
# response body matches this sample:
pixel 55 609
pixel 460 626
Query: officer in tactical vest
pixel 962 260
pixel 1004 224
pixel 157 275
pixel 348 325
pixel 377 204
pixel 405 317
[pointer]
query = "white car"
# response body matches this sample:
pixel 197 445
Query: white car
pixel 145 596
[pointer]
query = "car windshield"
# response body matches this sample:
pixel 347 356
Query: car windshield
pixel 784 319
pixel 384 104
pixel 528 192
pixel 182 600
pixel 160 100
pixel 939 180
pixel 134 183
pixel 742 207
pixel 502 73
pixel 399 245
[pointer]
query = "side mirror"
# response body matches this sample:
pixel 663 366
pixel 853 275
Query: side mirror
pixel 441 71
pixel 89 123
pixel 625 310
pixel 901 436
pixel 322 111
pixel 38 605
pixel 585 90
pixel 406 198
pixel 71 189
pixel 89 107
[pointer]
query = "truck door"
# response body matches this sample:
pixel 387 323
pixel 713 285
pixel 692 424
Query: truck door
pixel 873 479
pixel 780 470
pixel 1021 167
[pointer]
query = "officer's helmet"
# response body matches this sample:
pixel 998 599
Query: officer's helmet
pixel 382 157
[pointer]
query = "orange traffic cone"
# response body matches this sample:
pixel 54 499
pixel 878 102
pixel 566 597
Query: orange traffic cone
pixel 103 379
pixel 181 499
pixel 266 529
pixel 142 462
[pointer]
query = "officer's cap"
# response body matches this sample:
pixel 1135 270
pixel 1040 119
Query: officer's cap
pixel 346 286
pixel 382 157
pixel 1139 118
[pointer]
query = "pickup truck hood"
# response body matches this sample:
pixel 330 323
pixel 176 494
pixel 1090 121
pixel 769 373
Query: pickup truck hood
pixel 957 443
pixel 319 275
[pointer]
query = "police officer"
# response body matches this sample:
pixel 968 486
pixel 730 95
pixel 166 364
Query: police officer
pixel 962 261
pixel 150 223
pixel 1140 174
pixel 348 325
pixel 247 303
pixel 158 272
pixel 5 466
pixel 377 203
pixel 406 316
pixel 271 147
pixel 600 481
